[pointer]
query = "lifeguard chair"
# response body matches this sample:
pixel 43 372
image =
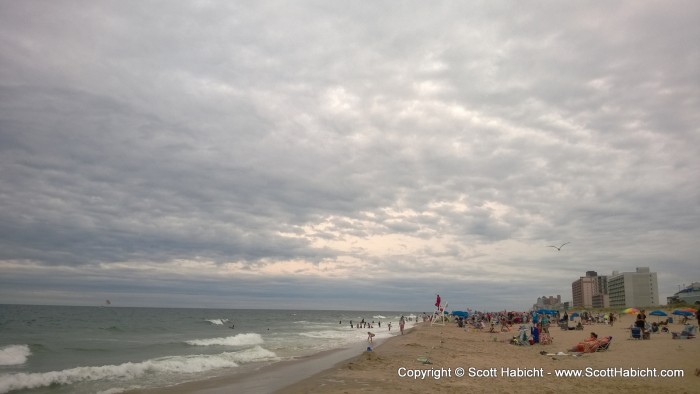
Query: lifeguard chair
pixel 439 316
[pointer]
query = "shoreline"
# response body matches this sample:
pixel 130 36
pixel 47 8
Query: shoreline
pixel 271 377
pixel 448 347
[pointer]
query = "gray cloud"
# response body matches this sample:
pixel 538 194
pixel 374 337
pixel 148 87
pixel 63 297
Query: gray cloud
pixel 329 150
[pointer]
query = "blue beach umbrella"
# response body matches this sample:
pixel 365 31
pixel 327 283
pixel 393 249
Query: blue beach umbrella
pixel 571 316
pixel 460 313
pixel 547 311
pixel 658 313
pixel 682 313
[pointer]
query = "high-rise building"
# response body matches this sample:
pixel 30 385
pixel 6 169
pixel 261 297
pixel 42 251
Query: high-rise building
pixel 546 302
pixel 582 290
pixel 633 289
pixel 590 291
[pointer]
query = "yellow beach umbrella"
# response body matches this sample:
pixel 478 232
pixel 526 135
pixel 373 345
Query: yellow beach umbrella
pixel 630 311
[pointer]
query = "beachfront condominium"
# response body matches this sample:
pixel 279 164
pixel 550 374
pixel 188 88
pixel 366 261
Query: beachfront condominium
pixel 690 295
pixel 633 289
pixel 548 302
pixel 590 291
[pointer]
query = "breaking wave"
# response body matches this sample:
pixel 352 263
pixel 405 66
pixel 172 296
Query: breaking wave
pixel 130 371
pixel 236 340
pixel 218 322
pixel 14 354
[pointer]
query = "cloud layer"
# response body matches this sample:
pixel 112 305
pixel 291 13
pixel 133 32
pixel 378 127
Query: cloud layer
pixel 330 155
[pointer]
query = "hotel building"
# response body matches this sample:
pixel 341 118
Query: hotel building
pixel 633 289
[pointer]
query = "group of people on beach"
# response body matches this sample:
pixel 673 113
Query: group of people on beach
pixel 364 324
pixel 371 335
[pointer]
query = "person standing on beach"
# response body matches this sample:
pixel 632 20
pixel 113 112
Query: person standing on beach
pixel 545 324
pixel 641 321
pixel 402 323
pixel 389 326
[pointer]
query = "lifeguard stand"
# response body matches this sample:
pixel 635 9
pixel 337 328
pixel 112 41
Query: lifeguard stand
pixel 439 318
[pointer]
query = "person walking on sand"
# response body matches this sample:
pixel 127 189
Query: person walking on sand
pixel 370 336
pixel 402 323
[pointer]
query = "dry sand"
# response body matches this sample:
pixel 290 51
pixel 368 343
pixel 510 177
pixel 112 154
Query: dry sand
pixel 450 347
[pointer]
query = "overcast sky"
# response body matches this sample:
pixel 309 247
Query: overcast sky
pixel 344 155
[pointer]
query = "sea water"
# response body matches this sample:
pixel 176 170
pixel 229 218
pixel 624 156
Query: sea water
pixel 63 349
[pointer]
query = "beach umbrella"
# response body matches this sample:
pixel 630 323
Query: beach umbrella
pixel 547 311
pixel 571 316
pixel 459 313
pixel 630 311
pixel 691 310
pixel 678 312
pixel 658 313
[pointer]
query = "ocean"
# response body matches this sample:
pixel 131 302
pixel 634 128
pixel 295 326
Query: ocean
pixel 108 350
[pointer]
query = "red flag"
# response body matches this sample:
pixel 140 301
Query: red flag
pixel 437 302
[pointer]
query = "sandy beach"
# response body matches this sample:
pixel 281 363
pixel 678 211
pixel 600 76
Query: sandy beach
pixel 449 348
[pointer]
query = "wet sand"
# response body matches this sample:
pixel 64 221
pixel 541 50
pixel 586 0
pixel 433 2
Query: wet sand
pixel 266 378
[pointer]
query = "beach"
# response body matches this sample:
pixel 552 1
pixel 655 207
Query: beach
pixel 395 366
pixel 147 350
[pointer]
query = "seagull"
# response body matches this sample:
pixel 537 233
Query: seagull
pixel 558 248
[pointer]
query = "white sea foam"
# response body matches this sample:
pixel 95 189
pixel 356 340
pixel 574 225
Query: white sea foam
pixel 254 354
pixel 379 317
pixel 236 340
pixel 129 371
pixel 14 354
pixel 117 390
pixel 218 322
pixel 326 334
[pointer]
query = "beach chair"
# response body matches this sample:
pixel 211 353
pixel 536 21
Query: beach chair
pixel 521 338
pixel 604 344
pixel 635 333
pixel 689 332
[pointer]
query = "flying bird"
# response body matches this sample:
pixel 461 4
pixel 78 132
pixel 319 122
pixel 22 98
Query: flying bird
pixel 558 248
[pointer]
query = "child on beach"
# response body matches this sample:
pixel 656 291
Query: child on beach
pixel 369 336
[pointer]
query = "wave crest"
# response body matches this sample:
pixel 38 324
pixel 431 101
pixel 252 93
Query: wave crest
pixel 128 371
pixel 14 354
pixel 217 322
pixel 248 339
